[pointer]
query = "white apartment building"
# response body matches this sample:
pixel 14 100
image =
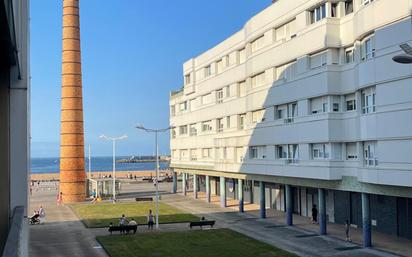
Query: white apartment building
pixel 304 106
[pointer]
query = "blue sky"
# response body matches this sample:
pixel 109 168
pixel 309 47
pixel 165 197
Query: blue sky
pixel 132 56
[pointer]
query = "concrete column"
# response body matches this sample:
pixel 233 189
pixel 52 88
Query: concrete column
pixel 289 209
pixel 222 191
pixel 366 221
pixel 240 194
pixel 207 188
pixel 174 189
pixel 184 183
pixel 262 199
pixel 195 177
pixel 322 211
pixel 72 175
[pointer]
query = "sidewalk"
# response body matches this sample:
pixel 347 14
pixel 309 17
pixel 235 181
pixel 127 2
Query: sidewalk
pixel 301 239
pixel 62 234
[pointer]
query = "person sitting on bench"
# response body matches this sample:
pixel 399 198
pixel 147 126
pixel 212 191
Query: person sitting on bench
pixel 132 222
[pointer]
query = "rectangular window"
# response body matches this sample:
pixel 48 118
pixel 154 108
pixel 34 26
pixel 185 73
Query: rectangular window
pixel 319 105
pixel 207 99
pixel 368 100
pixel 184 154
pixel 368 51
pixel 193 130
pixel 207 126
pixel 188 79
pixel 318 60
pixel 350 102
pixel 242 55
pixel 348 7
pixel 292 110
pixel 334 7
pixel 219 66
pixel 228 122
pixel 288 152
pixel 183 130
pixel 258 43
pixel 219 96
pixel 369 150
pixel 258 80
pixel 318 13
pixel 242 121
pixel 239 154
pixel 257 116
pixel 282 151
pixel 219 125
pixel 242 88
pixel 206 153
pixel 349 55
pixel 172 110
pixel 257 152
pixel 254 153
pixel 193 154
pixel 286 31
pixel 183 106
pixel 320 151
pixel 173 132
pixel 208 71
pixel 351 151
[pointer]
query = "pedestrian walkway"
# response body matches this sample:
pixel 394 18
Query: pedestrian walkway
pixel 62 234
pixel 304 241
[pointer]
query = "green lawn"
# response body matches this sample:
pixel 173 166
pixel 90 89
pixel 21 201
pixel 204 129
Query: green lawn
pixel 191 243
pixel 101 214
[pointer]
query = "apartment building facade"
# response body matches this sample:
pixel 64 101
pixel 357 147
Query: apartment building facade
pixel 304 106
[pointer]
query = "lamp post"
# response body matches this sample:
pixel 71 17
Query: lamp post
pixel 156 131
pixel 114 139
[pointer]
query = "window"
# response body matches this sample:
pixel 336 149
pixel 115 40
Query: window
pixel 239 154
pixel 286 71
pixel 242 88
pixel 188 79
pixel 173 131
pixel 280 111
pixel 219 96
pixel 224 150
pixel 183 130
pixel 257 116
pixel 349 55
pixel 351 151
pixel 242 55
pixel 286 112
pixel 335 103
pixel 257 152
pixel 258 43
pixel 206 153
pixel 208 71
pixel 319 105
pixel 184 154
pixel 334 7
pixel 193 154
pixel 285 31
pixel 219 66
pixel 193 129
pixel 207 126
pixel 320 151
pixel 258 80
pixel 348 7
pixel 318 13
pixel 219 125
pixel 282 151
pixel 369 149
pixel 227 91
pixel 172 110
pixel 368 100
pixel 242 119
pixel 183 106
pixel 318 60
pixel 368 51
pixel 228 122
pixel 350 102
pixel 292 110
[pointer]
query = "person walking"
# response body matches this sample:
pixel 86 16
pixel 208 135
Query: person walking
pixel 150 220
pixel 347 231
pixel 59 199
pixel 314 214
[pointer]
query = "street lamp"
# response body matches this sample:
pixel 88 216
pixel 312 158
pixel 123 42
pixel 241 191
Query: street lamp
pixel 156 131
pixel 405 58
pixel 114 139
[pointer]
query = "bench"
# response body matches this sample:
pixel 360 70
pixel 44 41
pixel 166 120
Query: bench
pixel 122 229
pixel 202 223
pixel 144 199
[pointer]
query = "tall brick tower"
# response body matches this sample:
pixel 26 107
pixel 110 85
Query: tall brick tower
pixel 72 173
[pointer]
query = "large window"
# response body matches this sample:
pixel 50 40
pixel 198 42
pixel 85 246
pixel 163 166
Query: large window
pixel 351 151
pixel 183 130
pixel 219 66
pixel 219 96
pixel 285 31
pixel 219 125
pixel 258 80
pixel 206 153
pixel 318 60
pixel 257 116
pixel 239 154
pixel 207 126
pixel 286 112
pixel 193 129
pixel 288 152
pixel 258 43
pixel 242 121
pixel 208 71
pixel 319 105
pixel 320 151
pixel 183 106
pixel 172 110
pixel 242 55
pixel 368 100
pixel 350 101
pixel 349 55
pixel 257 152
pixel 318 13
pixel 188 78
pixel 369 150
pixel 207 99
pixel 367 48
pixel 193 154
pixel 242 88
pixel 348 7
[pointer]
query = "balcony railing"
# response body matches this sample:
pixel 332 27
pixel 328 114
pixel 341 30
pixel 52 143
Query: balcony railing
pixel 16 244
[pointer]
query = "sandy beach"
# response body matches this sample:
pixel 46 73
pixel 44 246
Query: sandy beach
pixel 97 174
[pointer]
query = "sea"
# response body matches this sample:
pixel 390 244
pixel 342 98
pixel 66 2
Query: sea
pixel 52 165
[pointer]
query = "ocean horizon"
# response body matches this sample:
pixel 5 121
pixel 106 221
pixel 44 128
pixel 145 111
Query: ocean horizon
pixel 52 164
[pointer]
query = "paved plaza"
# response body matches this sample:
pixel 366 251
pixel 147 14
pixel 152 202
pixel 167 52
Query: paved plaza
pixel 64 235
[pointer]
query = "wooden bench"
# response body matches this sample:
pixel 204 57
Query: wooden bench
pixel 123 229
pixel 202 223
pixel 144 199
